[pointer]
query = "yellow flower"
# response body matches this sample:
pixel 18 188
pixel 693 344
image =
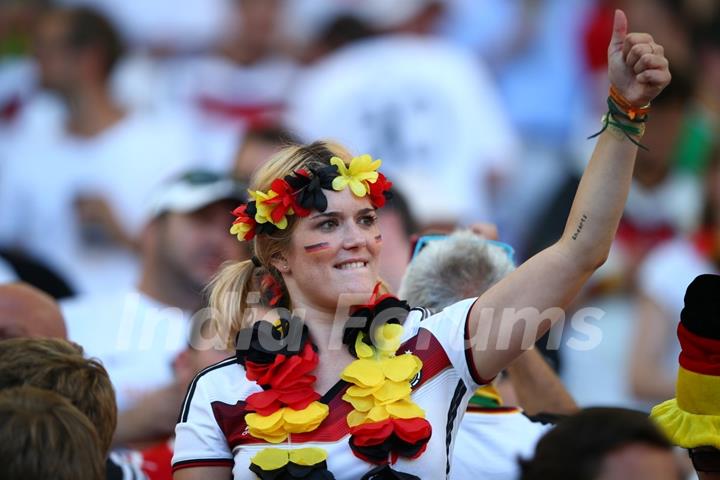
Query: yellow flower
pixel 308 456
pixel 405 409
pixel 273 458
pixel 363 373
pixel 361 404
pixel 362 170
pixel 269 428
pixel 305 420
pixel 270 458
pixel 401 367
pixel 392 392
pixel 240 229
pixel 376 414
pixel 387 339
pixel 362 349
pixel 358 391
pixel 264 210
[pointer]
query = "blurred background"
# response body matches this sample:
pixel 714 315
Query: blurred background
pixel 479 109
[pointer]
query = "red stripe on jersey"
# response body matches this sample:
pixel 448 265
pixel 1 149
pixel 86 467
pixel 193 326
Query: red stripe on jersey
pixel 231 418
pixel 203 463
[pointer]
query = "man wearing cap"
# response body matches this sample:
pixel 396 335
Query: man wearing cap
pixel 138 333
pixel 692 419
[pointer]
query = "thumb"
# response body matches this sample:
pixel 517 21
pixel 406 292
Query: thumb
pixel 620 28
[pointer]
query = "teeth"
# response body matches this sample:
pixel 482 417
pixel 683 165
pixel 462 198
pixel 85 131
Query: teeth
pixel 352 265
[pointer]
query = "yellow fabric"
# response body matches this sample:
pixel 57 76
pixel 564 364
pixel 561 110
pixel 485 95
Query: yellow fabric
pixel 392 392
pixel 489 391
pixel 685 429
pixel 364 373
pixel 273 458
pixel 274 428
pixel 361 404
pixel 362 349
pixel 387 339
pixel 362 170
pixel 401 368
pixel 405 409
pixel 308 456
pixel 698 393
pixel 270 458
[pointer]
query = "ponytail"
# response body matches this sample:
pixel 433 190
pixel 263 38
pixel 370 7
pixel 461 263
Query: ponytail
pixel 229 300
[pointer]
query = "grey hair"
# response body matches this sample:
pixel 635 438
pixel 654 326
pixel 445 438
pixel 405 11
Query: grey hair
pixel 463 265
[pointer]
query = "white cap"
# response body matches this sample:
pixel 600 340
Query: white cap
pixel 194 190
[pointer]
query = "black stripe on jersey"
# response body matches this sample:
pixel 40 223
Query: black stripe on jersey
pixel 460 391
pixel 424 312
pixel 191 388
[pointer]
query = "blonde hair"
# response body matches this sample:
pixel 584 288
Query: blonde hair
pixel 230 288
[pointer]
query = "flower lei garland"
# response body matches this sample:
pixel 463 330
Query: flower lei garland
pixel 385 423
pixel 302 191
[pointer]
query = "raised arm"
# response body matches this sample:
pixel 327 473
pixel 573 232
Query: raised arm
pixel 507 318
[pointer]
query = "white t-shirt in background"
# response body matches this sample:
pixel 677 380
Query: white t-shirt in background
pixel 44 174
pixel 135 337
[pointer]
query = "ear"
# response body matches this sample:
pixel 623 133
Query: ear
pixel 280 263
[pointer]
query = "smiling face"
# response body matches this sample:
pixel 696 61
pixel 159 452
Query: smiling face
pixel 333 253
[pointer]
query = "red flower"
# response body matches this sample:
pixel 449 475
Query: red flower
pixel 284 200
pixel 244 224
pixel 369 434
pixel 287 381
pixel 378 191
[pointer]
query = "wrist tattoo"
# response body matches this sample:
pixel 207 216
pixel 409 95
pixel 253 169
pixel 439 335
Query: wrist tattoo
pixel 580 226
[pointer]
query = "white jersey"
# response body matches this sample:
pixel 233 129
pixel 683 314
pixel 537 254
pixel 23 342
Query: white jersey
pixel 212 430
pixel 490 442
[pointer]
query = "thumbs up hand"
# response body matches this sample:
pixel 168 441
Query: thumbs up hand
pixel 637 66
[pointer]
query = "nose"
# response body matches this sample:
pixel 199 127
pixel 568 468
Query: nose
pixel 354 238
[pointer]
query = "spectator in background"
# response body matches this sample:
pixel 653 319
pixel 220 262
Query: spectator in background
pixel 662 278
pixel 44 436
pixel 427 120
pixel 240 85
pixel 398 225
pixel 603 444
pixel 59 366
pixel 491 436
pixel 138 332
pixel 28 312
pixel 691 419
pixel 73 195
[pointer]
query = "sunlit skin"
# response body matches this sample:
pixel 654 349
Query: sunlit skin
pixel 325 241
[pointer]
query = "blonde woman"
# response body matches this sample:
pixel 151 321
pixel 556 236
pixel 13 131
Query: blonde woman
pixel 292 403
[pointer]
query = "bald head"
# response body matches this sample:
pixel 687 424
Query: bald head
pixel 26 311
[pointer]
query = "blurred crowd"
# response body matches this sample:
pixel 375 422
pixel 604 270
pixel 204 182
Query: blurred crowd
pixel 129 130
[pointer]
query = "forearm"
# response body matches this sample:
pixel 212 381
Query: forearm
pixel 152 418
pixel 537 386
pixel 599 201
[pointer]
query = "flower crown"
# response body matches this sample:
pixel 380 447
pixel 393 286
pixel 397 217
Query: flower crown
pixel 302 191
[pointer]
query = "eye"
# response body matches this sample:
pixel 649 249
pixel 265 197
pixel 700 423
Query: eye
pixel 327 225
pixel 368 220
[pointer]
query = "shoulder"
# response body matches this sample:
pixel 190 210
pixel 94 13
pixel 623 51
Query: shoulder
pixel 223 382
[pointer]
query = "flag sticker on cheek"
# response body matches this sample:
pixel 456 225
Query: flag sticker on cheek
pixel 316 247
pixel 378 239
